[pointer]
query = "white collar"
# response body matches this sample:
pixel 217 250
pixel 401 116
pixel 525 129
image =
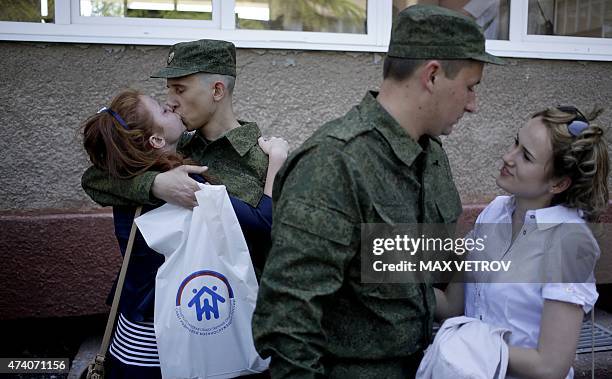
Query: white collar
pixel 546 218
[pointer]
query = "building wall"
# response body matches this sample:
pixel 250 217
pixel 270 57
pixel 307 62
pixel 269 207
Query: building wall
pixel 58 250
pixel 48 89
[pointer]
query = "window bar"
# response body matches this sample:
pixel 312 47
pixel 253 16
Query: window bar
pixel 577 20
pixel 519 15
pixel 224 12
pixel 62 12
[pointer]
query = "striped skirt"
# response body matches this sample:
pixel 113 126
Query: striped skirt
pixel 134 343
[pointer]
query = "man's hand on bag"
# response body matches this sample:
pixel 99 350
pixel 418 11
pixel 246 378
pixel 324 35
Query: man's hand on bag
pixel 176 187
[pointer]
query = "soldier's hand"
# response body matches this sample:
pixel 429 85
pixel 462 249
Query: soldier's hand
pixel 176 187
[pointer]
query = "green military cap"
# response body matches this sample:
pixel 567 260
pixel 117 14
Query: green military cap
pixel 205 55
pixel 432 32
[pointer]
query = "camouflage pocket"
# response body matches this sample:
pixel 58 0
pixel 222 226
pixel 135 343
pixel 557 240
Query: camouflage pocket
pixel 449 211
pixel 393 214
pixel 392 290
pixel 322 222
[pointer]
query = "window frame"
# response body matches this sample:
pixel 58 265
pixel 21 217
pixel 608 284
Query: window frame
pixel 77 19
pixel 523 45
pixel 70 27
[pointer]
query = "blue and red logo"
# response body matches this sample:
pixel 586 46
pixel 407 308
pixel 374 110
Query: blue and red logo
pixel 205 302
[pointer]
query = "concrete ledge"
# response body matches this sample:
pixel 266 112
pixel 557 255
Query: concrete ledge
pixel 63 263
pixel 56 265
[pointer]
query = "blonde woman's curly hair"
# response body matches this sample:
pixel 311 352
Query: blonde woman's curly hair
pixel 582 157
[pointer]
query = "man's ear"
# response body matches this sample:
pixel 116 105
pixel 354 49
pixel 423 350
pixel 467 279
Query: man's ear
pixel 157 141
pixel 560 184
pixel 429 72
pixel 218 90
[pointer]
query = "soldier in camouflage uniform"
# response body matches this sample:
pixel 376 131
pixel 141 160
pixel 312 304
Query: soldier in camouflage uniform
pixel 200 77
pixel 380 163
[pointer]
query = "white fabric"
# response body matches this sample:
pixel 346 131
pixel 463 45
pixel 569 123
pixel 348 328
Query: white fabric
pixel 546 236
pixel 466 348
pixel 205 291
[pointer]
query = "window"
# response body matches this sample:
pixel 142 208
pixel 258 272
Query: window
pixel 27 10
pixel 491 15
pixel 168 9
pixel 586 18
pixel 350 25
pixel 340 16
pixel 551 29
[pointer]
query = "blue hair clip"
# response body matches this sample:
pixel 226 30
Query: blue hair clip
pixel 576 127
pixel 578 124
pixel 115 116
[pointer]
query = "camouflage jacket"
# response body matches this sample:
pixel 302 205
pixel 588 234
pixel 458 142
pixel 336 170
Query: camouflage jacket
pixel 314 316
pixel 235 160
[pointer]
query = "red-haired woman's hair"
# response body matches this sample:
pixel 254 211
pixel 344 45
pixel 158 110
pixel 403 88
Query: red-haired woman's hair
pixel 125 152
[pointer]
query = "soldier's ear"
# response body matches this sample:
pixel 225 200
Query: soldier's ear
pixel 219 90
pixel 428 73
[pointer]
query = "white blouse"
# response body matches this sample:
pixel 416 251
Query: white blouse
pixel 553 243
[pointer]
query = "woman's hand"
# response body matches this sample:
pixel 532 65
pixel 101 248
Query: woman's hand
pixel 275 147
pixel 277 150
pixel 449 303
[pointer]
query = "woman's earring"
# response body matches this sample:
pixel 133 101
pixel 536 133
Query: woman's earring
pixel 156 142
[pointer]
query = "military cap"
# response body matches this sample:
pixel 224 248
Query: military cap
pixel 205 55
pixel 432 32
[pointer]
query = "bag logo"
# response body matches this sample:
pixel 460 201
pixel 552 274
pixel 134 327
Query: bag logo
pixel 205 303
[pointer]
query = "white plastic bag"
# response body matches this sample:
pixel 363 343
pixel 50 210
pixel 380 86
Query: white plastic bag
pixel 205 291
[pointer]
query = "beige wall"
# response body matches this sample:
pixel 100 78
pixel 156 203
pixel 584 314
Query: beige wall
pixel 48 89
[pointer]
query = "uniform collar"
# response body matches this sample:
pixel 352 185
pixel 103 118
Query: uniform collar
pixel 404 147
pixel 546 218
pixel 242 138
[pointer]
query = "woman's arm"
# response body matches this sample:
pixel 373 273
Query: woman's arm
pixel 559 332
pixel 254 220
pixel 277 150
pixel 449 303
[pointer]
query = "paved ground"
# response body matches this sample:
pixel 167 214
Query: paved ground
pixel 603 360
pixel 582 365
pixel 51 340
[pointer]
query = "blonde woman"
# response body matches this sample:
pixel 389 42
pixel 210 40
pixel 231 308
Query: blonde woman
pixel 556 172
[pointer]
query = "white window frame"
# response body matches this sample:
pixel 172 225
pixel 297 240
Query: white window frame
pixel 523 45
pixel 146 24
pixel 69 26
